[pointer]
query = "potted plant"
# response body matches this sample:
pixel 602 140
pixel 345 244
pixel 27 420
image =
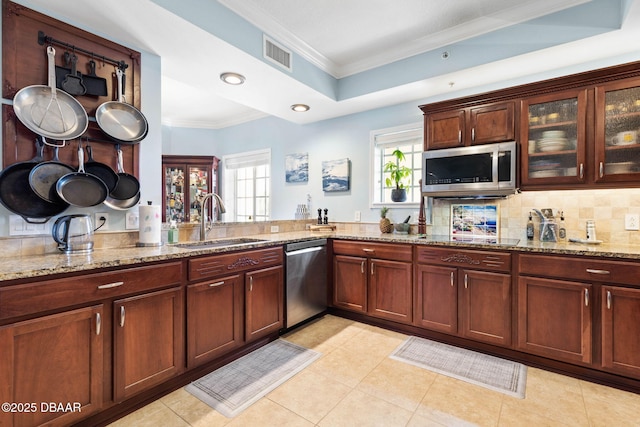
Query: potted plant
pixel 397 174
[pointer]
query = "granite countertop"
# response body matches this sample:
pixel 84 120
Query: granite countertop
pixel 55 263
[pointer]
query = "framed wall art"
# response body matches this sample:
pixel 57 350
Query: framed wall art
pixel 297 167
pixel 336 175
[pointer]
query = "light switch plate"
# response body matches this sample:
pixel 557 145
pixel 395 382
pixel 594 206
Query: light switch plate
pixel 131 221
pixel 632 222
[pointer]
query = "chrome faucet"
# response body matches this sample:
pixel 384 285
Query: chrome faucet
pixel 203 220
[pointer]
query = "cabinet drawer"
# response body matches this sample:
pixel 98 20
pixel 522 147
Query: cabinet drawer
pixel 394 252
pixel 37 297
pixel 590 270
pixel 218 265
pixel 483 260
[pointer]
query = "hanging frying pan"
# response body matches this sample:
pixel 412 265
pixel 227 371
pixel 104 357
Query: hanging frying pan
pixel 44 177
pixel 81 188
pixel 121 121
pixel 101 170
pixel 127 193
pixel 16 194
pixel 50 112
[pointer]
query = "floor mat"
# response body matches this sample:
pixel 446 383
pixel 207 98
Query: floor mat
pixel 236 386
pixel 488 371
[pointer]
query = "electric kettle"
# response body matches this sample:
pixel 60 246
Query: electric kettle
pixel 73 233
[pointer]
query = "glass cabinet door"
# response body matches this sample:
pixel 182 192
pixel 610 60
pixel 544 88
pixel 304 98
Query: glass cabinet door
pixel 553 138
pixel 175 182
pixel 617 130
pixel 198 188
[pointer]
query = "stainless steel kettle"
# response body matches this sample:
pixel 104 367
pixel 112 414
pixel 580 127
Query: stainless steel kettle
pixel 73 233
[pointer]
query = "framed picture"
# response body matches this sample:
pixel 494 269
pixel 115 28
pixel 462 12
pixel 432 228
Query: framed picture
pixel 474 222
pixel 336 175
pixel 297 167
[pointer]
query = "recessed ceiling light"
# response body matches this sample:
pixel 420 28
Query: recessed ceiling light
pixel 232 78
pixel 300 108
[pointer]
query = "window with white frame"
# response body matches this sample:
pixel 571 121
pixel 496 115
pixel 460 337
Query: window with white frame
pixel 247 184
pixel 409 140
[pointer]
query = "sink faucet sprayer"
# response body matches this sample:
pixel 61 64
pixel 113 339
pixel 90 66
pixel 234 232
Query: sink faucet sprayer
pixel 203 221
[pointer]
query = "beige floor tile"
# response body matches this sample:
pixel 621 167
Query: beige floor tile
pixel 152 415
pixel 513 415
pixel 345 367
pixel 268 413
pixel 443 420
pixel 399 383
pixel 325 334
pixel 310 395
pixel 464 401
pixel 609 406
pixel 361 409
pixel 193 410
pixel 374 342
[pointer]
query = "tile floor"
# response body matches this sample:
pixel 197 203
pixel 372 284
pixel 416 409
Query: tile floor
pixel 354 383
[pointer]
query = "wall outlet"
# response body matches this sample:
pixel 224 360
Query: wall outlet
pixel 275 229
pixel 357 216
pixel 632 222
pixel 20 227
pixel 99 223
pixel 131 221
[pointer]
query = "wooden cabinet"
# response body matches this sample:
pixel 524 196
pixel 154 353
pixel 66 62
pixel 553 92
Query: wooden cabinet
pixel 470 126
pixel 185 181
pixel 148 340
pixel 219 303
pixel 620 312
pixel 264 299
pixel 373 278
pixel 56 358
pixel 454 295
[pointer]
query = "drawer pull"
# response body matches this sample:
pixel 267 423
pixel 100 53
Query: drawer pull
pixel 369 251
pixel 452 281
pixel 362 267
pixel 122 316
pixel 110 285
pixel 213 285
pixel 586 297
pixel 466 281
pixel 609 300
pixel 592 271
pixel 98 323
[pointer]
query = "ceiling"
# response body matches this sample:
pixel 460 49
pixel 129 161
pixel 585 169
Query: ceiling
pixel 348 55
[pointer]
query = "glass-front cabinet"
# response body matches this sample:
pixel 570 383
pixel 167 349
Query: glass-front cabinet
pixel 553 138
pixel 186 180
pixel 617 128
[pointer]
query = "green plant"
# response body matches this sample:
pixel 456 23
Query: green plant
pixel 397 172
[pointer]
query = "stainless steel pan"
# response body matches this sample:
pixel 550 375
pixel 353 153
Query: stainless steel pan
pixel 50 112
pixel 81 188
pixel 121 121
pixel 127 192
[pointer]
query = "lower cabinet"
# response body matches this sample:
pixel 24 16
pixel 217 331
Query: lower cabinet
pixel 621 330
pixel 148 340
pixel 264 301
pixel 51 360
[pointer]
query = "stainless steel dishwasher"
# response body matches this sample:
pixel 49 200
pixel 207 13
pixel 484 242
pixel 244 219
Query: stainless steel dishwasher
pixel 306 288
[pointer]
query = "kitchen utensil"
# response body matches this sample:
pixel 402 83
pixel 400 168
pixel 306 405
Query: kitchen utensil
pixel 73 233
pixel 101 170
pixel 121 121
pixel 127 191
pixel 407 219
pixel 81 188
pixel 95 85
pixel 17 196
pixel 72 83
pixel 44 177
pixel 49 112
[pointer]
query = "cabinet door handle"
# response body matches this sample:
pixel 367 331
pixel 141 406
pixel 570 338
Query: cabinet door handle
pixel 466 281
pixel 362 267
pixel 601 169
pixel 250 283
pixel 98 323
pixel 372 267
pixel 473 134
pixel 452 282
pixel 593 271
pixel 581 170
pixel 368 250
pixel 460 137
pixel 122 316
pixel 586 297
pixel 213 285
pixel 609 300
pixel 110 285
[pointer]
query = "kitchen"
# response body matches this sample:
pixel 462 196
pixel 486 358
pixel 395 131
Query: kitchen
pixel 337 136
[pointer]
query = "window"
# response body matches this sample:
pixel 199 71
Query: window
pixel 407 139
pixel 247 183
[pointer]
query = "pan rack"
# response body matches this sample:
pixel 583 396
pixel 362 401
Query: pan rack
pixel 44 39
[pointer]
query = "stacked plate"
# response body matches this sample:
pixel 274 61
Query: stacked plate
pixel 552 140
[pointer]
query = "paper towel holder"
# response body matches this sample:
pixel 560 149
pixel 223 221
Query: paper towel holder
pixel 148 244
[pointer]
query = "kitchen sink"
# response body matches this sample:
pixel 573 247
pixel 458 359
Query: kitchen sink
pixel 219 243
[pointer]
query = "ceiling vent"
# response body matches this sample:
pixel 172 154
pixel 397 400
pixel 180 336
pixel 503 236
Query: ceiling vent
pixel 277 54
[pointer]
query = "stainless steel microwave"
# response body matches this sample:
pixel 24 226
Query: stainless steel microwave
pixel 479 171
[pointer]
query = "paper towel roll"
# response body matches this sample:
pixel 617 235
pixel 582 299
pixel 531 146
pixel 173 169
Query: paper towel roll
pixel 150 217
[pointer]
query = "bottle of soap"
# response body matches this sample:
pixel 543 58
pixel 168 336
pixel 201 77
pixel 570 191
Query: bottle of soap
pixel 530 231
pixel 562 229
pixel 173 232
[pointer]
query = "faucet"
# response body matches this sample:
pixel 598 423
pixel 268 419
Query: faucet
pixel 203 220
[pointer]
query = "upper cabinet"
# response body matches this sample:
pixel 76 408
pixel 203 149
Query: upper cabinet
pixel 470 126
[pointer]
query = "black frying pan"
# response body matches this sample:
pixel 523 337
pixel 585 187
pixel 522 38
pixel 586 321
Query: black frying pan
pixel 101 170
pixel 17 196
pixel 127 193
pixel 81 188
pixel 44 177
